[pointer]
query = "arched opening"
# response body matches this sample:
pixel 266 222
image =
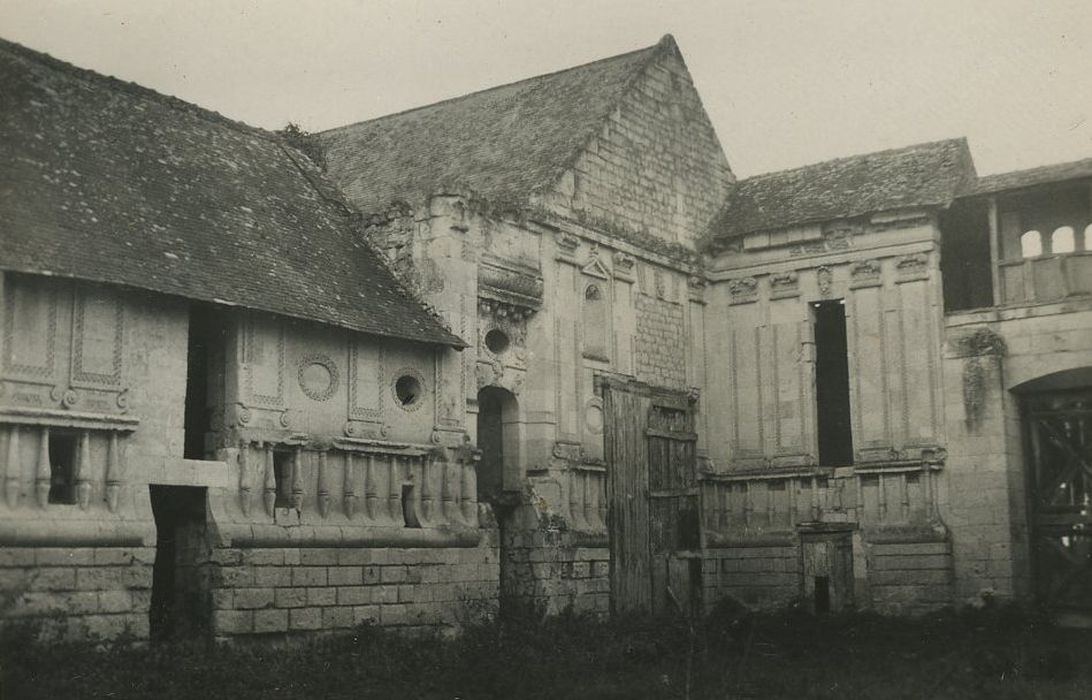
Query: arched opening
pixel 1057 415
pixel 1031 244
pixel 1063 240
pixel 498 440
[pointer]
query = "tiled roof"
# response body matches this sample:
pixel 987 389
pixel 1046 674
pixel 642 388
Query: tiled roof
pixel 108 181
pixel 502 144
pixel 926 174
pixel 1035 176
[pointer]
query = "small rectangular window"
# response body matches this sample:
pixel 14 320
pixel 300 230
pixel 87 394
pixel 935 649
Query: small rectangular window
pixel 832 384
pixel 62 468
pixel 283 463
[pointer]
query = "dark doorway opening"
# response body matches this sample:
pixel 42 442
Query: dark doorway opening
pixel 832 384
pixel 498 441
pixel 205 337
pixel 181 604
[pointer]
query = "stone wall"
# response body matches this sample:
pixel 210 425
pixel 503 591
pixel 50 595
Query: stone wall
pixel 762 576
pixel 551 571
pixel 909 577
pixel 302 589
pixel 657 166
pixel 77 593
pixel 661 342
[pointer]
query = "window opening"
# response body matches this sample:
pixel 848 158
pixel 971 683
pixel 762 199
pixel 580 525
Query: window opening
pixel 496 341
pixel 62 468
pixel 596 323
pixel 832 384
pixel 1088 237
pixel 409 512
pixel 197 421
pixel 1062 240
pixel 1031 244
pixel 283 463
pixel 408 390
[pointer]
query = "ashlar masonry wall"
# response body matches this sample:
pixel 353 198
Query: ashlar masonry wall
pixel 776 518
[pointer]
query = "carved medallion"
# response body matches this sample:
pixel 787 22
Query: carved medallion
pixel 318 377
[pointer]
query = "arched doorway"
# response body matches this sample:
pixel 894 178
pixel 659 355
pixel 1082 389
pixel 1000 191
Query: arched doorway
pixel 499 478
pixel 1057 416
pixel 498 440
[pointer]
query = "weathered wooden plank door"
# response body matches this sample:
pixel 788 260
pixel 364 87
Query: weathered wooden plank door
pixel 674 522
pixel 625 411
pixel 652 498
pixel 1059 429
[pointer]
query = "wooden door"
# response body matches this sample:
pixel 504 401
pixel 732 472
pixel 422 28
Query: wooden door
pixel 652 498
pixel 674 523
pixel 1059 430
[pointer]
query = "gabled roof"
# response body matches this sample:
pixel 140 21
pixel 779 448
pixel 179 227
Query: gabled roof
pixel 922 175
pixel 108 181
pixel 503 144
pixel 1034 176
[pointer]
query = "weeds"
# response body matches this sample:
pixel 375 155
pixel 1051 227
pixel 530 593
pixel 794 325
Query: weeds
pixel 1002 653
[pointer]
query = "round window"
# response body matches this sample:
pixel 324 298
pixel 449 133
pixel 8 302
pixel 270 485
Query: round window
pixel 496 341
pixel 408 390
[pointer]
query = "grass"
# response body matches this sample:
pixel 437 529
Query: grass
pixel 1006 653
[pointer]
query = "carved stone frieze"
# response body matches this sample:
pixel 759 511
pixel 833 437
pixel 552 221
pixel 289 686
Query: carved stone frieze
pixel 865 273
pixel 912 267
pixel 784 285
pixel 743 290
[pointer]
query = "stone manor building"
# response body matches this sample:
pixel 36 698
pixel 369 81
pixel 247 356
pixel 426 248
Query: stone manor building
pixel 534 346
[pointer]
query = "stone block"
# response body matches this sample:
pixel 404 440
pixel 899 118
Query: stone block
pixel 319 556
pixel 53 579
pixel 912 562
pixel 233 576
pixel 267 621
pixel 365 614
pixel 337 617
pixel 263 557
pixel 392 574
pixel 309 576
pixel 228 622
pixel 251 598
pixel 345 575
pixel 60 556
pixel 318 597
pixel 274 576
pixel 115 601
pixel 354 595
pixel 371 574
pixel 305 618
pixel 354 557
pixel 78 602
pixel 919 577
pixel 16 556
pixel 290 597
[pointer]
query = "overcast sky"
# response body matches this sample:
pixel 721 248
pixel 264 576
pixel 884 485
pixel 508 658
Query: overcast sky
pixel 786 83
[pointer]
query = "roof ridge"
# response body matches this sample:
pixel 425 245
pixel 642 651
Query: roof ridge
pixel 493 88
pixel 1034 168
pixel 133 88
pixel 855 156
